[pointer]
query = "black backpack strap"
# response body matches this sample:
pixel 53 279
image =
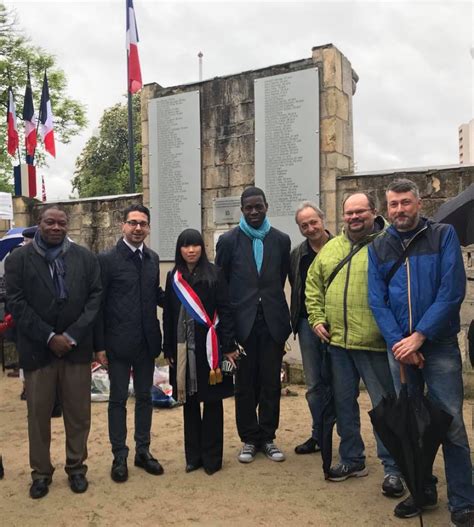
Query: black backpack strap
pixel 396 265
pixel 400 259
pixel 343 262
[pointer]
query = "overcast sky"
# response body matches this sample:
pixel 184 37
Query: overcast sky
pixel 413 60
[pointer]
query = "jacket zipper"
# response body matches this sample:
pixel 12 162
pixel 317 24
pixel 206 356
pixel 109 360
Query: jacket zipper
pixel 346 287
pixel 407 263
pixel 410 318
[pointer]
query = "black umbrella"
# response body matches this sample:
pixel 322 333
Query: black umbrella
pixel 470 339
pixel 459 212
pixel 412 429
pixel 326 417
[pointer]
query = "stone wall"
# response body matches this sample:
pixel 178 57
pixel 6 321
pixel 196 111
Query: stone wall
pixel 228 126
pixel 93 222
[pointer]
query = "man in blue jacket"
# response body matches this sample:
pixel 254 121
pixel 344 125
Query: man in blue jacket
pixel 417 310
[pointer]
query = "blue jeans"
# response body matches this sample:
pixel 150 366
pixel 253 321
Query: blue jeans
pixel 348 367
pixel 442 375
pixel 311 354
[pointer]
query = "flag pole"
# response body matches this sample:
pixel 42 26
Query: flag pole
pixel 131 156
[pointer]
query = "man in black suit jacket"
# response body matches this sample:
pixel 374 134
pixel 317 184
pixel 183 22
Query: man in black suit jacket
pixel 53 293
pixel 255 258
pixel 128 337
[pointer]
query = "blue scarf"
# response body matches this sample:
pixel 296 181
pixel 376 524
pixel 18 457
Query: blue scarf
pixel 257 236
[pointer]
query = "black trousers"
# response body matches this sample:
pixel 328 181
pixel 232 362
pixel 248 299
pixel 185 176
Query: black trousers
pixel 258 386
pixel 203 435
pixel 119 374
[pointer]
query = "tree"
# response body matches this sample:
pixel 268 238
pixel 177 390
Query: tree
pixel 102 166
pixel 15 53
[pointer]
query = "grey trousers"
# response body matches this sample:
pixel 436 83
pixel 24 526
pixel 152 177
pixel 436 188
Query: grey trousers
pixel 73 384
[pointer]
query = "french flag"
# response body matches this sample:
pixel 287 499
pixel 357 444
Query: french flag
pixel 134 73
pixel 46 119
pixel 12 129
pixel 25 180
pixel 29 119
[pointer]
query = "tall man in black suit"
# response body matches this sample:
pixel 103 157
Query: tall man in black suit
pixel 255 258
pixel 128 337
pixel 53 293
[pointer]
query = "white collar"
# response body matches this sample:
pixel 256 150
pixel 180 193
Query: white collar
pixel 132 247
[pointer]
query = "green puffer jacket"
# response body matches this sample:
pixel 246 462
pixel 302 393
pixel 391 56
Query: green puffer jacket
pixel 344 307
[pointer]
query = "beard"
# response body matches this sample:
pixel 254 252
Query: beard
pixel 405 223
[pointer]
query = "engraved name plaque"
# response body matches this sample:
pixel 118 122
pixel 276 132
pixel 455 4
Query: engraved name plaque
pixel 175 169
pixel 287 144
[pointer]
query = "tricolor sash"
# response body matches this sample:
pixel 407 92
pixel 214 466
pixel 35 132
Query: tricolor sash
pixel 194 307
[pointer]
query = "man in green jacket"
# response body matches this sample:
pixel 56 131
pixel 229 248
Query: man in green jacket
pixel 339 313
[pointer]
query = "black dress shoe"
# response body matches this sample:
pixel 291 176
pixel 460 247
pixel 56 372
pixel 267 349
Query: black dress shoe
pixel 211 471
pixel 149 463
pixel 191 467
pixel 119 471
pixel 39 488
pixel 78 483
pixel 308 447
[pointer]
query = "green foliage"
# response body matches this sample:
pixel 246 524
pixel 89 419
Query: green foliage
pixel 15 53
pixel 102 166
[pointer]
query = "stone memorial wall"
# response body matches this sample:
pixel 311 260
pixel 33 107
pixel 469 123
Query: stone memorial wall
pixel 228 140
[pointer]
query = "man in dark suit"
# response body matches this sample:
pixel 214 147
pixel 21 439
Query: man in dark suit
pixel 53 293
pixel 128 337
pixel 255 258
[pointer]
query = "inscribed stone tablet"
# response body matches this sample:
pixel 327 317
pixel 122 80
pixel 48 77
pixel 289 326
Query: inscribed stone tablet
pixel 287 144
pixel 175 169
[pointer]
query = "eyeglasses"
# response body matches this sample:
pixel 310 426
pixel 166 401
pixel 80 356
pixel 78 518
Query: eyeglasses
pixel 134 223
pixel 358 212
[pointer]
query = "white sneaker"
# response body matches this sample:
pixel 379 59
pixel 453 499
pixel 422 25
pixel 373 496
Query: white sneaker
pixel 248 453
pixel 273 452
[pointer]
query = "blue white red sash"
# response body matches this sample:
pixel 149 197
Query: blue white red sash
pixel 194 307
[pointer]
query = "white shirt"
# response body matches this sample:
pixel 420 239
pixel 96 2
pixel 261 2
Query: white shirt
pixel 133 248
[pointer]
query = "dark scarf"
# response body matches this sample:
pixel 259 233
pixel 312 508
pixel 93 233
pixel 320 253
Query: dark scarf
pixel 54 256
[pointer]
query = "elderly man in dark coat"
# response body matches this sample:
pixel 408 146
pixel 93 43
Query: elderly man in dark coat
pixel 54 292
pixel 128 337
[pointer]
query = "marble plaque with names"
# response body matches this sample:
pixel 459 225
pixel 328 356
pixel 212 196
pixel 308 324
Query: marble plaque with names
pixel 175 169
pixel 287 144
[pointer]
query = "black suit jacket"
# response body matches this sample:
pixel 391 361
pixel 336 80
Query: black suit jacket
pixel 128 322
pixel 247 288
pixel 37 312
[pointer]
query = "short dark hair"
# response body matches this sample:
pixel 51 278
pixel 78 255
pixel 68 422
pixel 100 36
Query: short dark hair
pixel 138 207
pixel 45 209
pixel 204 268
pixel 404 185
pixel 250 192
pixel 370 199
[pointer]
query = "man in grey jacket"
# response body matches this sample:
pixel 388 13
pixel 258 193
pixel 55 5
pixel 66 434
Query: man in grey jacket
pixel 310 220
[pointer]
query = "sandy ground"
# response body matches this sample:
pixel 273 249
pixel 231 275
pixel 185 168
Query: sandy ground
pixel 264 493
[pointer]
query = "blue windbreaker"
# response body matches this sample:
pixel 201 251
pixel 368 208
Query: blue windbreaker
pixel 427 290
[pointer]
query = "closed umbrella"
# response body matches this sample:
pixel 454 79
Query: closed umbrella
pixel 412 429
pixel 326 417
